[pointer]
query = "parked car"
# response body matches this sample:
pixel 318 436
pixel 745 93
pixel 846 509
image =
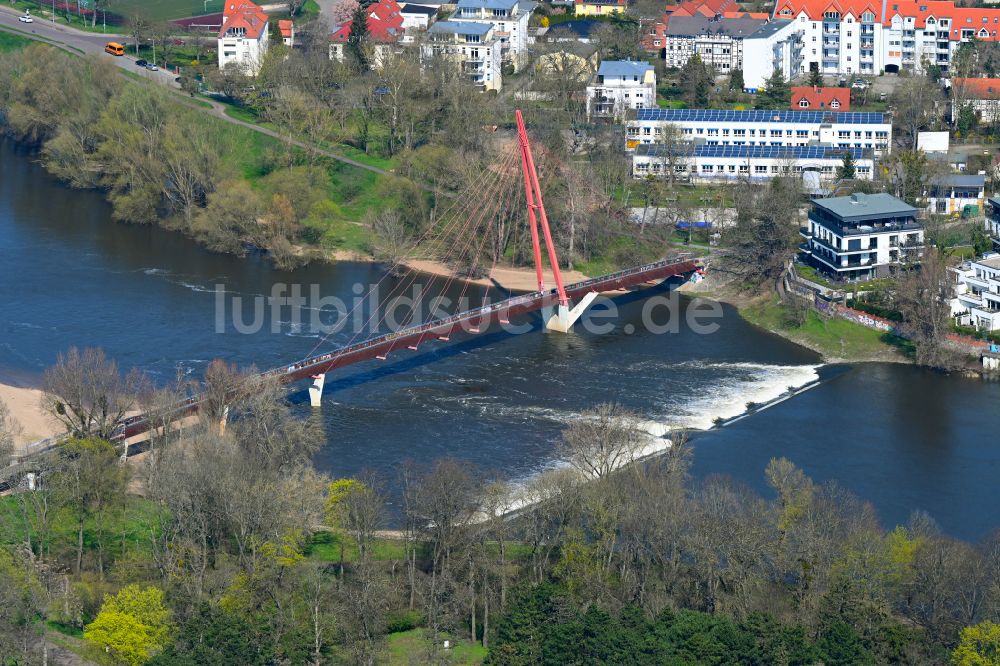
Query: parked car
pixel 26 19
pixel 141 63
pixel 151 67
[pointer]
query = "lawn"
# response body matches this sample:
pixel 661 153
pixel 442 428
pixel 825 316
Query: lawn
pixel 11 42
pixel 810 273
pixel 167 10
pixel 833 337
pixel 413 647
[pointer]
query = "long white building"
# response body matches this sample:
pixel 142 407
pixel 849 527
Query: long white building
pixel 718 127
pixel 864 37
pixel 704 163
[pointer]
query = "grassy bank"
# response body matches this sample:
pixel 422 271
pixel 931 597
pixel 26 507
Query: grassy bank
pixel 834 338
pixel 11 42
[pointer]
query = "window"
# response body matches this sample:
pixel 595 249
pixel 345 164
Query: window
pixel 760 168
pixel 835 104
pixel 804 103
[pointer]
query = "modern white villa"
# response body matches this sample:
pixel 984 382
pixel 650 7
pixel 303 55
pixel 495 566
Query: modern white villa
pixel 977 293
pixel 862 236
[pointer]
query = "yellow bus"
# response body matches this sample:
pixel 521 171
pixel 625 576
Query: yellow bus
pixel 114 48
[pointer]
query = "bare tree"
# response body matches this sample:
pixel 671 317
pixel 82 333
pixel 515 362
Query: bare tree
pixel 85 392
pixel 603 440
pixel 10 429
pixel 923 294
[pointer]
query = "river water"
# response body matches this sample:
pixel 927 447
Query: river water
pixel 900 437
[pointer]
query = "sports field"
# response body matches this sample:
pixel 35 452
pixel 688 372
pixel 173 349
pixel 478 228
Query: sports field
pixel 165 10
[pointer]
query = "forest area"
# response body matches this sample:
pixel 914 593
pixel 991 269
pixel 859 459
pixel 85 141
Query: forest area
pixel 228 547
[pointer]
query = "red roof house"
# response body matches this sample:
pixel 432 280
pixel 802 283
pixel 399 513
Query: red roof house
pixel 807 98
pixel 242 18
pixel 385 24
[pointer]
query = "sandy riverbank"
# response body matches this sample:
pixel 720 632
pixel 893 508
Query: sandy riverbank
pixel 508 278
pixel 25 406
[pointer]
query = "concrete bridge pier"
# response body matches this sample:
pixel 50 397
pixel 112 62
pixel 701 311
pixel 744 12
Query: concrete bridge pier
pixel 563 318
pixel 316 390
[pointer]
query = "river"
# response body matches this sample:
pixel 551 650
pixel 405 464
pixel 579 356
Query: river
pixel 898 436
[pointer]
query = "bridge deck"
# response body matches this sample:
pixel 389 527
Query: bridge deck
pixel 470 321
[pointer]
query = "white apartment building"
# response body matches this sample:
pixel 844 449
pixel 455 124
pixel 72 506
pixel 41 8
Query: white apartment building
pixel 620 85
pixel 704 163
pixel 862 236
pixel 718 127
pixel 472 47
pixel 243 37
pixel 993 219
pixel 509 19
pixel 977 293
pixel 955 194
pixel 755 46
pixel 861 37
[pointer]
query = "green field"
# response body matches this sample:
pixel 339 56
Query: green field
pixel 166 10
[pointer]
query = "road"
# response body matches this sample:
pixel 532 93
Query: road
pixel 78 42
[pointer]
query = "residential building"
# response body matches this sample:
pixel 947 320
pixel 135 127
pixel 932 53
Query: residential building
pixel 472 47
pixel 599 7
pixel 821 99
pixel 287 30
pixel 862 236
pixel 699 162
pixel 509 19
pixel 957 194
pixel 977 293
pixel 777 45
pixel 865 37
pixel 717 127
pixel 620 85
pixel 416 18
pixel 243 37
pixel 993 219
pixel 385 31
pixel 982 94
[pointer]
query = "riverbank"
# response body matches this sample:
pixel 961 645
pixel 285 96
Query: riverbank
pixel 837 340
pixel 24 405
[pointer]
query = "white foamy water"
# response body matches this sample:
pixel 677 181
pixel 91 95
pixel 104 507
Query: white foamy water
pixel 752 384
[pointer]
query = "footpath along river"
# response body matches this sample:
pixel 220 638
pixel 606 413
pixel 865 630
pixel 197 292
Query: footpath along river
pixel 900 437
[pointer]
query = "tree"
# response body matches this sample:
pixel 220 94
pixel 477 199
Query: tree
pixel 696 78
pixel 358 38
pixel 815 77
pixel 923 294
pixel 776 93
pixel 85 392
pixel 846 169
pixel 132 626
pixel 913 107
pixel 979 645
pixel 763 238
pixel 604 439
pixel 138 29
pixel 91 482
pixel 9 431
pixel 213 636
pixel 736 82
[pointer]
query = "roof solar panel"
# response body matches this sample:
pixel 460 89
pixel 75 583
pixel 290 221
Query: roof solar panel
pixel 760 115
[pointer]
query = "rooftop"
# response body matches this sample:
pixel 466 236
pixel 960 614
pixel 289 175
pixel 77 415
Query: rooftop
pixel 990 261
pixel 460 28
pixel 418 9
pixel 624 68
pixel 962 180
pixel 760 116
pixel 509 5
pixel 751 152
pixel 245 15
pixel 861 205
pixel 702 25
pixel 820 98
pixel 772 27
